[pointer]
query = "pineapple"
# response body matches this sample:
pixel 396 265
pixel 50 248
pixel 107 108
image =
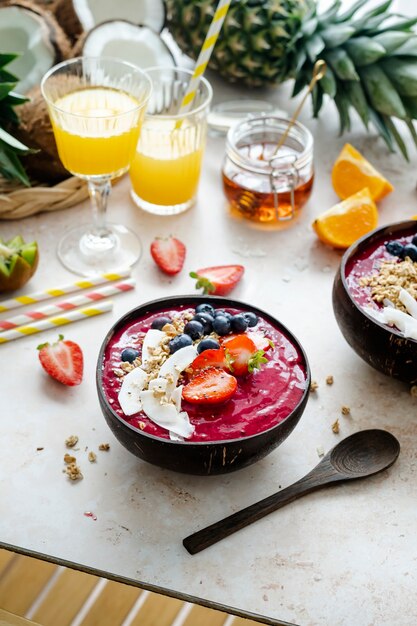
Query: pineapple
pixel 10 148
pixel 371 55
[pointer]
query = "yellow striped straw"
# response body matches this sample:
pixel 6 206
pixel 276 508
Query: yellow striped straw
pixel 205 54
pixel 46 294
pixel 55 322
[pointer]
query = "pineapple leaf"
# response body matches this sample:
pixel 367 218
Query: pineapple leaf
pixel 341 64
pixel 347 15
pixel 317 99
pixel 309 26
pixel 10 165
pixel 410 105
pixel 399 140
pixel 404 25
pixel 412 130
pixel 364 51
pixel 343 108
pixel 371 25
pixel 381 92
pixel 6 138
pixel 328 83
pixel 330 14
pixel 5 89
pixel 408 49
pixel 314 47
pixel 379 123
pixel 403 75
pixel 336 35
pixel 379 10
pixel 357 99
pixel 391 40
pixel 13 99
pixel 6 58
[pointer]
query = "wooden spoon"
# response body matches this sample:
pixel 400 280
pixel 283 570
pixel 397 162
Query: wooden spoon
pixel 362 454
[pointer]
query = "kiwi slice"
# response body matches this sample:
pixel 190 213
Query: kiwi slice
pixel 18 263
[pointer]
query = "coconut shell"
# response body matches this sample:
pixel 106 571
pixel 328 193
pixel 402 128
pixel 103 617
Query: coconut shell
pixel 68 19
pixel 36 132
pixel 57 36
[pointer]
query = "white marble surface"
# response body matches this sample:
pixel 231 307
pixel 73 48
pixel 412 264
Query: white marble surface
pixel 341 556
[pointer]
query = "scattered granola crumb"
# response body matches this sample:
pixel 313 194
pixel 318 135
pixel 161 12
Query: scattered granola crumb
pixel 413 391
pixel 335 427
pixel 104 446
pixel 71 441
pixel 39 449
pixel 118 372
pixel 329 380
pixel 92 457
pixel 320 451
pixel 73 472
pixel 141 425
pixel 314 386
pixel 69 459
pixel 345 410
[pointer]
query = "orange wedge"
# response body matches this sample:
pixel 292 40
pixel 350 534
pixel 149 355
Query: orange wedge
pixel 352 172
pixel 345 222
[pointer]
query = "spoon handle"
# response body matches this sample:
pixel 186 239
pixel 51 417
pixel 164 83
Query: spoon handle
pixel 321 475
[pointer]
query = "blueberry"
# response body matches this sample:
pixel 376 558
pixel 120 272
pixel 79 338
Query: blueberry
pixel 251 318
pixel 129 354
pixel 223 313
pixel 239 323
pixel 414 240
pixel 206 320
pixel 180 341
pixel 395 248
pixel 410 250
pixel 221 325
pixel 205 307
pixel 159 322
pixel 194 329
pixel 207 344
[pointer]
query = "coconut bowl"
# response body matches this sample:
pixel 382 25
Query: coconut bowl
pixel 201 458
pixel 382 347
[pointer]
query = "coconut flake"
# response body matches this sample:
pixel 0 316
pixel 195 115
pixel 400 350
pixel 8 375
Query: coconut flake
pixel 165 414
pixel 129 395
pixel 153 339
pixel 408 301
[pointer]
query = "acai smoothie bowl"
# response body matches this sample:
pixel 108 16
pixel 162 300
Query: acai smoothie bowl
pixel 200 384
pixel 375 299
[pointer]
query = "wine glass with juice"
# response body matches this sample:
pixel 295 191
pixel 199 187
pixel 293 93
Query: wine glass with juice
pixel 96 106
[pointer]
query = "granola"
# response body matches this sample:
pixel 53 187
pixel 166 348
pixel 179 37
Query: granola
pixel 391 277
pixel 104 446
pixel 92 457
pixel 73 472
pixel 336 427
pixel 71 441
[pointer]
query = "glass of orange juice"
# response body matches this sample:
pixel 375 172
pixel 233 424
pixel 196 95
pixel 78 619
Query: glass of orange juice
pixel 96 106
pixel 166 168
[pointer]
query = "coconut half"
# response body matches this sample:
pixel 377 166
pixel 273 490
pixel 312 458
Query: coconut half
pixel 38 39
pixel 77 16
pixel 139 45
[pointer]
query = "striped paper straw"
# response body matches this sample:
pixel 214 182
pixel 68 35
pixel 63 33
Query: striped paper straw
pixel 205 53
pixel 66 305
pixel 84 283
pixel 54 322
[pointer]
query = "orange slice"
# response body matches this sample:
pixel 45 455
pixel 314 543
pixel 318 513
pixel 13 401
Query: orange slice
pixel 352 172
pixel 345 222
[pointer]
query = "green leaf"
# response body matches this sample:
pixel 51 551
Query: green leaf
pixel 14 99
pixel 314 46
pixel 329 15
pixel 403 75
pixel 336 35
pixel 391 40
pixel 357 99
pixel 364 50
pixel 7 57
pixel 343 110
pixel 7 77
pixel 300 82
pixel 328 83
pixel 379 123
pixel 347 15
pixel 13 142
pixel 410 105
pixel 403 24
pixel 10 165
pixel 412 130
pixel 381 92
pixel 317 98
pixel 5 89
pixel 379 10
pixel 394 132
pixel 309 26
pixel 341 64
pixel 409 49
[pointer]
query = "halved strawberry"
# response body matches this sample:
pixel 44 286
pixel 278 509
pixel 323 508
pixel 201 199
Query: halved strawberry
pixel 210 358
pixel 218 280
pixel 242 355
pixel 168 254
pixel 63 361
pixel 210 386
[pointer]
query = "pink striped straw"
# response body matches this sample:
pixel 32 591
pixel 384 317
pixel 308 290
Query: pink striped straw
pixel 67 305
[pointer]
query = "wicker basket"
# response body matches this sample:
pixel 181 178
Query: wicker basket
pixel 17 201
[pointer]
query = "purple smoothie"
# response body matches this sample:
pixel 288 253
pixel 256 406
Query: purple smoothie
pixel 367 262
pixel 262 400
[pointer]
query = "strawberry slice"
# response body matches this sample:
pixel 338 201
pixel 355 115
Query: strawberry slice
pixel 168 254
pixel 218 280
pixel 63 361
pixel 210 386
pixel 210 358
pixel 242 355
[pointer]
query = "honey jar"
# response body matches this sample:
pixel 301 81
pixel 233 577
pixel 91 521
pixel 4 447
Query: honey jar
pixel 264 184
